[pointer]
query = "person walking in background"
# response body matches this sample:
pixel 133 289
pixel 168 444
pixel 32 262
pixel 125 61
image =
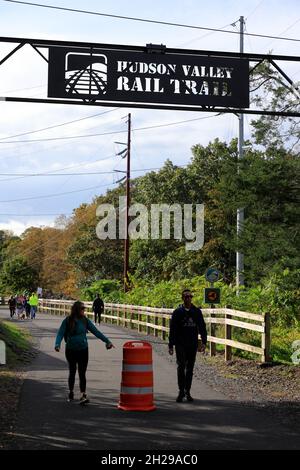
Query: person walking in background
pixel 186 324
pixel 20 306
pixel 27 307
pixel 98 308
pixel 74 329
pixel 33 302
pixel 12 306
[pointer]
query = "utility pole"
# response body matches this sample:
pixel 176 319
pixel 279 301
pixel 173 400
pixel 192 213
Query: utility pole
pixel 126 244
pixel 240 212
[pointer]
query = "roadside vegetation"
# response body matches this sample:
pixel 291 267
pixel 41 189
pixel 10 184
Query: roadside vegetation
pixel 18 353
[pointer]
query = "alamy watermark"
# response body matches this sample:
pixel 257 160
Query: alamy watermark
pixel 295 357
pixel 2 353
pixel 153 223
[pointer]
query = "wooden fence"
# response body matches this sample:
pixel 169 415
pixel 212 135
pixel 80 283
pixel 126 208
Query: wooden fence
pixel 155 321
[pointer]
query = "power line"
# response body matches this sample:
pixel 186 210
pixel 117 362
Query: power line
pixel 36 215
pixel 22 89
pixel 65 168
pixel 74 174
pixel 284 31
pixel 203 36
pixel 59 125
pixel 57 194
pixel 29 141
pixel 145 20
pixel 254 10
pixel 82 218
pixel 155 126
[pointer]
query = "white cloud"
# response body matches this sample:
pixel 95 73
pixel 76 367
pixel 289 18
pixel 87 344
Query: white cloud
pixel 18 227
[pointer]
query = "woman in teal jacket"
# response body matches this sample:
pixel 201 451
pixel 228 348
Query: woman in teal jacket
pixel 74 329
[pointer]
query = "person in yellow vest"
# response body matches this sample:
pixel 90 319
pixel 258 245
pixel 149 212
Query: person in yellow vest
pixel 33 302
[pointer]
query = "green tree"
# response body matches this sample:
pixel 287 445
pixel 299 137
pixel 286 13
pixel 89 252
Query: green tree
pixel 18 276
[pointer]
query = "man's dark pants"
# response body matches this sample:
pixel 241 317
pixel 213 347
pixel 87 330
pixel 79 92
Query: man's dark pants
pixel 97 316
pixel 186 356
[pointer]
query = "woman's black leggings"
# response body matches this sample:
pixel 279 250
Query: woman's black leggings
pixel 81 358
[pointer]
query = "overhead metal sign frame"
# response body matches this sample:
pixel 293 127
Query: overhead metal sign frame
pixel 153 76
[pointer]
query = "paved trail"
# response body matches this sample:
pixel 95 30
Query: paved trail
pixel 47 421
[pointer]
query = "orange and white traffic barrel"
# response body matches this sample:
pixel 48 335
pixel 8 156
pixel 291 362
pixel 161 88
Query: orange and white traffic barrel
pixel 137 377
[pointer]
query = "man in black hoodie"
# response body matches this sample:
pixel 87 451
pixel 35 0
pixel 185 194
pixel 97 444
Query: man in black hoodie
pixel 98 307
pixel 186 324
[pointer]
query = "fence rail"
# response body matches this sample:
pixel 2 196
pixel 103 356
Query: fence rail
pixel 156 321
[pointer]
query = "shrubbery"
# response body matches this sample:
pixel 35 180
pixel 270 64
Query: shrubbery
pixel 279 294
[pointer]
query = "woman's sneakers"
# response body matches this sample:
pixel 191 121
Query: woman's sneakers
pixel 83 399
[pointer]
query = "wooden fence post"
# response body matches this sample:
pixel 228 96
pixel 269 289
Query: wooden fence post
pixel 125 317
pixel 156 333
pixel 164 333
pixel 212 346
pixel 266 339
pixel 148 329
pixel 228 350
pixel 139 320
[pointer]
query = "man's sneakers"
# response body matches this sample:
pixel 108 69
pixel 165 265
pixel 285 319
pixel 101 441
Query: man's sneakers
pixel 189 397
pixel 71 396
pixel 180 397
pixel 83 399
pixel 183 395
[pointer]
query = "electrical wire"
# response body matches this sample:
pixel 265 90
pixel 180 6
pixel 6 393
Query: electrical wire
pixel 36 215
pixel 56 194
pixel 145 20
pixel 58 125
pixel 77 174
pixel 64 168
pixel 254 9
pixel 82 219
pixel 155 126
pixel 21 89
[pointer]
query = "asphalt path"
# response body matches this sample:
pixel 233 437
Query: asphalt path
pixel 47 421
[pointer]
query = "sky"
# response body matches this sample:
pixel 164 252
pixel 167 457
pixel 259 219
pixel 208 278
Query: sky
pixel 37 200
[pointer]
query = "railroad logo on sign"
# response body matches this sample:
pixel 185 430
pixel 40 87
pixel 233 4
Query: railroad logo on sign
pixel 86 74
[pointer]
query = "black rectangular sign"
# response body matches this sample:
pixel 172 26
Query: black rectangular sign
pixel 212 295
pixel 154 78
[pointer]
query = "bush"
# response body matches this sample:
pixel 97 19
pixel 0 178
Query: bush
pixel 109 290
pixel 278 294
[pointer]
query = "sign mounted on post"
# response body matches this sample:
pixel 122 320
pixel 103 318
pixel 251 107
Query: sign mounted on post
pixel 95 74
pixel 213 275
pixel 212 295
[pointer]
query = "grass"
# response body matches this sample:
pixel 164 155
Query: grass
pixel 281 343
pixel 18 352
pixel 18 342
